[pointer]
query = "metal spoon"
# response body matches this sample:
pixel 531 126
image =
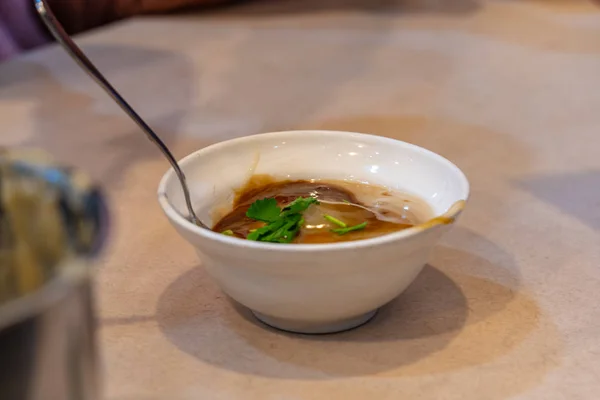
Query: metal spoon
pixel 81 59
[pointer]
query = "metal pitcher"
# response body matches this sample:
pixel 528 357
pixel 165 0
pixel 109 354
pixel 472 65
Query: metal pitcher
pixel 52 221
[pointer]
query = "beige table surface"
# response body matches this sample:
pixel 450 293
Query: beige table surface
pixel 509 306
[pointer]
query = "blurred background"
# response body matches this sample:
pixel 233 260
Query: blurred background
pixel 500 87
pixel 20 29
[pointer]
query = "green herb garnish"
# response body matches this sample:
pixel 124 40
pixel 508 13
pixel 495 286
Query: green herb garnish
pixel 336 221
pixel 228 232
pixel 283 225
pixel 299 205
pixel 284 230
pixel 344 228
pixel 265 210
pixel 343 231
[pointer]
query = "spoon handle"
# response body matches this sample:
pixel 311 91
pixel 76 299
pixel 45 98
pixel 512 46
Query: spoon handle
pixel 81 59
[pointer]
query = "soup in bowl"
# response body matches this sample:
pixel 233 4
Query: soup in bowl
pixel 315 230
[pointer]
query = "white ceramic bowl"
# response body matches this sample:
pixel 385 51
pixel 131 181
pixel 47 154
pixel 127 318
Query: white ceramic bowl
pixel 314 288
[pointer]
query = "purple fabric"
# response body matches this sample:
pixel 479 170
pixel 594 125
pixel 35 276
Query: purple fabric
pixel 19 27
pixel 8 47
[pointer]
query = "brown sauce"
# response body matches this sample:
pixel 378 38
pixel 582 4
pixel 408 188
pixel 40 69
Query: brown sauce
pixel 316 228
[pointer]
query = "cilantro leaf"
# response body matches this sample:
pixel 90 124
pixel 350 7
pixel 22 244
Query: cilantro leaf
pixel 284 230
pixel 343 231
pixel 282 225
pixel 287 231
pixel 265 210
pixel 260 233
pixel 299 205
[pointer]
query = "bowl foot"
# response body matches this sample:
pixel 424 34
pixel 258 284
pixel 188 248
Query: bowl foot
pixel 312 327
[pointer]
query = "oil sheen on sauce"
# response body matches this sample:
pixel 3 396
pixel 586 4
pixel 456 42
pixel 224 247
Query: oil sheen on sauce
pixel 405 209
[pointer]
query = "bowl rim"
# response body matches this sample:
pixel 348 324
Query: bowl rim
pixel 182 222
